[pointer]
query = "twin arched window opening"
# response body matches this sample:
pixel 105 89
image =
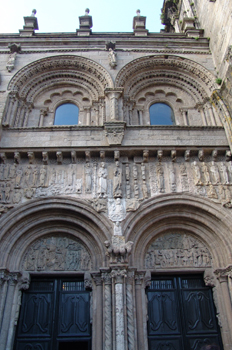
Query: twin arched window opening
pixel 161 114
pixel 66 114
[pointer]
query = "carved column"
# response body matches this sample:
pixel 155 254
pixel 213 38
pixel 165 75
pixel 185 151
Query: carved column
pixel 212 117
pixel 88 115
pixel 224 296
pixel 43 113
pixel 130 308
pixel 140 307
pixel 3 291
pixel 107 295
pixel 14 112
pixel 97 312
pixel 9 306
pixel 23 284
pixel 119 275
pixel 184 113
pixel 12 98
pixel 113 95
pixel 28 110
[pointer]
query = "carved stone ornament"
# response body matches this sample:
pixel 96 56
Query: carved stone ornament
pixel 116 210
pixel 99 204
pixel 177 250
pixel 117 250
pixel 114 132
pixel 57 253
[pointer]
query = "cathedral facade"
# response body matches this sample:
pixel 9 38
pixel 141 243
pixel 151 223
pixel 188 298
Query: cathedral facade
pixel 116 184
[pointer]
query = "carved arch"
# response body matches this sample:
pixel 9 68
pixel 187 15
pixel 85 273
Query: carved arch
pixel 179 76
pixel 31 86
pixel 200 218
pixel 54 217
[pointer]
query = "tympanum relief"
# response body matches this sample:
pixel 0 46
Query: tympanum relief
pixel 57 253
pixel 177 250
pixel 113 186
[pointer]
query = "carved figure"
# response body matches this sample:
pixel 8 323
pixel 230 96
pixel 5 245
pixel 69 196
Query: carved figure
pixel 160 174
pixel 18 178
pixel 177 250
pixel 27 176
pixel 215 173
pixel 7 191
pixel 12 172
pixel 197 174
pixel 118 250
pixel 117 192
pixel 99 204
pixel 35 176
pixel 172 178
pixel 184 178
pixel 206 174
pixel 42 176
pixel 224 172
pixel 112 58
pixel 57 254
pixel 102 181
pixel 88 178
pixel 11 62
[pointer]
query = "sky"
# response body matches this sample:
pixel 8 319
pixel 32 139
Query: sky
pixel 62 16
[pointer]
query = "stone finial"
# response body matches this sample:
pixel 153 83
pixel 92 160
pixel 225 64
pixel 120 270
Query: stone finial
pixel 139 25
pixel 33 13
pixel 86 24
pixel 31 24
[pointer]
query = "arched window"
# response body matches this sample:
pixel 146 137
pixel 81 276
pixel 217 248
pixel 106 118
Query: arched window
pixel 161 114
pixel 66 114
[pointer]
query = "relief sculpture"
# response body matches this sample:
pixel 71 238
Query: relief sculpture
pixel 57 254
pixel 177 250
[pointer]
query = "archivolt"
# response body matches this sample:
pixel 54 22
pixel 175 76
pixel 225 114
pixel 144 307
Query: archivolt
pixel 192 74
pixel 197 216
pixel 30 77
pixel 39 218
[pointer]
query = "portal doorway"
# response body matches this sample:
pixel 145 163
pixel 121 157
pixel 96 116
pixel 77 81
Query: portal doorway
pixel 55 315
pixel 181 314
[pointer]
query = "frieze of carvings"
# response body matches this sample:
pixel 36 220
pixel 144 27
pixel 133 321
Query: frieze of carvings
pixel 177 250
pixel 114 132
pixel 57 253
pixel 173 63
pixel 72 66
pixel 118 250
pixel 99 204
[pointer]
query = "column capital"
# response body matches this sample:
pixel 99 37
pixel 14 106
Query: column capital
pixel 139 277
pixel 119 274
pixel 97 278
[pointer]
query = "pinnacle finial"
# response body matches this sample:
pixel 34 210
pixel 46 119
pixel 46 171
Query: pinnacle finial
pixel 87 12
pixel 138 13
pixel 33 13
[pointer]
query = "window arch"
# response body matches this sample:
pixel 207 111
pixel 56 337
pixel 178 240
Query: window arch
pixel 161 114
pixel 66 114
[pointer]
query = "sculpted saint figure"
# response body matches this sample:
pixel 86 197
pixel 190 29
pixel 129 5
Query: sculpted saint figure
pixel 117 181
pixel 197 174
pixel 88 178
pixel 206 174
pixel 102 181
pixel 223 169
pixel 112 58
pixel 215 173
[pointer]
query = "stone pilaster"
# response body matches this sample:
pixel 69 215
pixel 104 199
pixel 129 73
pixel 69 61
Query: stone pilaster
pixel 107 297
pixel 97 312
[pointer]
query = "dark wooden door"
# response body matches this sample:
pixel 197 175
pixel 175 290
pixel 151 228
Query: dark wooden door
pixel 55 315
pixel 181 314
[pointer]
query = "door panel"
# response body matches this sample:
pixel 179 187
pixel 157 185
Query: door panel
pixel 181 314
pixel 54 312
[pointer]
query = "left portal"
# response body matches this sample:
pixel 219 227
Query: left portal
pixel 55 315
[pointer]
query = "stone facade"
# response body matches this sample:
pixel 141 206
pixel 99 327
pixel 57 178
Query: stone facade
pixel 115 199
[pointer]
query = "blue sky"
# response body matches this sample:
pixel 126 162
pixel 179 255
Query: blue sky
pixel 62 16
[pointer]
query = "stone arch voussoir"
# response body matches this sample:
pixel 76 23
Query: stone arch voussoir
pixel 200 218
pixel 53 217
